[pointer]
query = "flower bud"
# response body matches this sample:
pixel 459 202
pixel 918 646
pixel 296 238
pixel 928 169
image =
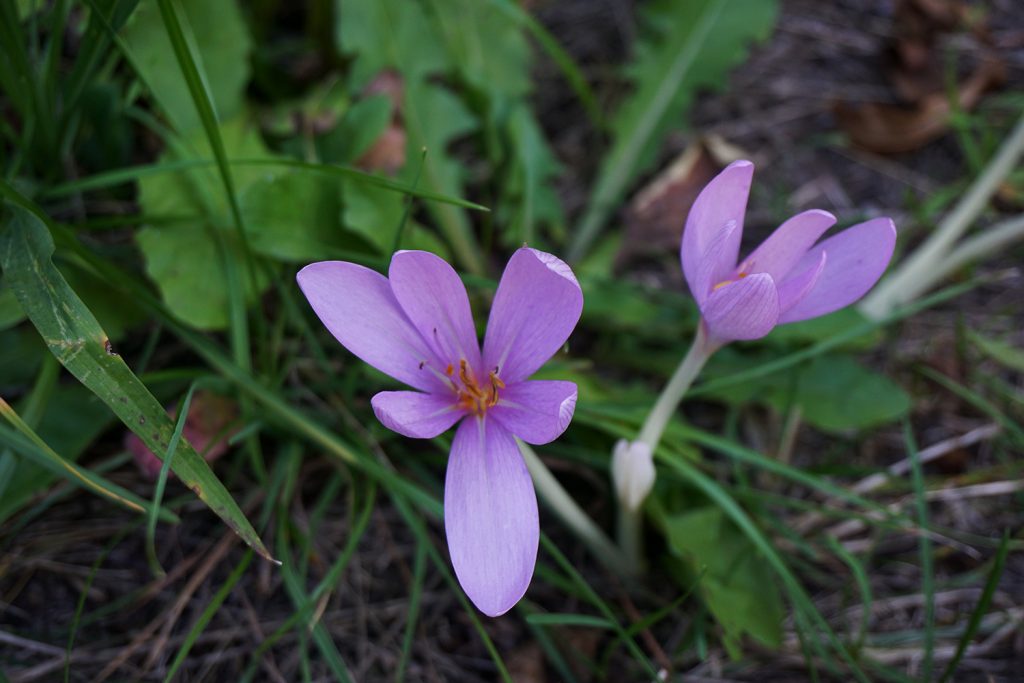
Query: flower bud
pixel 632 472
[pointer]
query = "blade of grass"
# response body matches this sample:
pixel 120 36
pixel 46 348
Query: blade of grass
pixel 863 585
pixel 832 342
pixel 798 595
pixel 991 583
pixel 976 400
pixel 927 561
pixel 126 175
pixel 562 59
pixel 186 53
pixel 419 567
pixel 76 339
pixel 600 604
pixel 161 482
pixel 80 606
pixel 208 613
pixel 27 442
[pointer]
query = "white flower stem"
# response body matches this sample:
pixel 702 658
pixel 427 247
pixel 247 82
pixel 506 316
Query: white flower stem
pixel 562 504
pixel 672 394
pixel 630 520
pixel 919 271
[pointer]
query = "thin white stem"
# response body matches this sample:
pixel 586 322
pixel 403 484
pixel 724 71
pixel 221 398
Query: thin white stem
pixel 630 520
pixel 929 256
pixel 562 504
pixel 672 394
pixel 972 249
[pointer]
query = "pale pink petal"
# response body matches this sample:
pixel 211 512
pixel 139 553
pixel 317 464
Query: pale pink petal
pixel 434 299
pixel 787 245
pixel 795 289
pixel 722 200
pixel 857 257
pixel 745 309
pixel 490 516
pixel 357 306
pixel 536 307
pixel 416 415
pixel 537 411
pixel 712 269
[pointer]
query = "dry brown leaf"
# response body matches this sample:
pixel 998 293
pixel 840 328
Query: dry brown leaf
pixel 387 153
pixel 211 421
pixel 655 216
pixel 891 129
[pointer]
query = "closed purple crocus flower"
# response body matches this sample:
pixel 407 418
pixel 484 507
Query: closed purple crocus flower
pixel 416 326
pixel 788 277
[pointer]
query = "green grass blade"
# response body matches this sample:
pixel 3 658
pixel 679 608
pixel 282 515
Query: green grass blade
pixel 569 619
pixel 203 100
pixel 800 599
pixel 126 175
pixel 80 606
pixel 833 342
pixel 161 482
pixel 419 567
pixel 208 613
pixel 562 59
pixel 595 599
pixel 27 442
pixel 927 561
pixel 75 337
pixel 979 611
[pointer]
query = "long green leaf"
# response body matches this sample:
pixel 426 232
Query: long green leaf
pixel 126 175
pixel 75 337
pixel 693 45
pixel 31 445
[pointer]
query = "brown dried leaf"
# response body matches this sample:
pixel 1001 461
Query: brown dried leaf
pixel 890 129
pixel 655 216
pixel 210 423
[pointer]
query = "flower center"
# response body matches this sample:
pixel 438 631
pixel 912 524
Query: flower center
pixel 723 283
pixel 474 396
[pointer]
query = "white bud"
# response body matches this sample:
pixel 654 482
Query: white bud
pixel 632 472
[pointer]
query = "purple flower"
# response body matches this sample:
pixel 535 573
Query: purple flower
pixel 786 279
pixel 416 326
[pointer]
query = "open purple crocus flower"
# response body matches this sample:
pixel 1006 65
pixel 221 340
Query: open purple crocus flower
pixel 786 279
pixel 416 326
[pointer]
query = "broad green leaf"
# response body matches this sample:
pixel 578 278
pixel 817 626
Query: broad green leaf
pixel 223 43
pixel 183 258
pixel 397 35
pixel 683 47
pixel 1001 352
pixel 293 216
pixel 833 391
pixel 80 344
pixel 489 51
pixel 362 124
pixel 388 34
pixel 837 394
pixel 737 584
pixel 10 311
pixel 376 214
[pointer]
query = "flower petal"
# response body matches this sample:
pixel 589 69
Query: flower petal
pixel 536 307
pixel 537 411
pixel 787 245
pixel 795 289
pixel 357 306
pixel 857 257
pixel 724 199
pixel 434 298
pixel 490 516
pixel 414 414
pixel 744 309
pixel 710 271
